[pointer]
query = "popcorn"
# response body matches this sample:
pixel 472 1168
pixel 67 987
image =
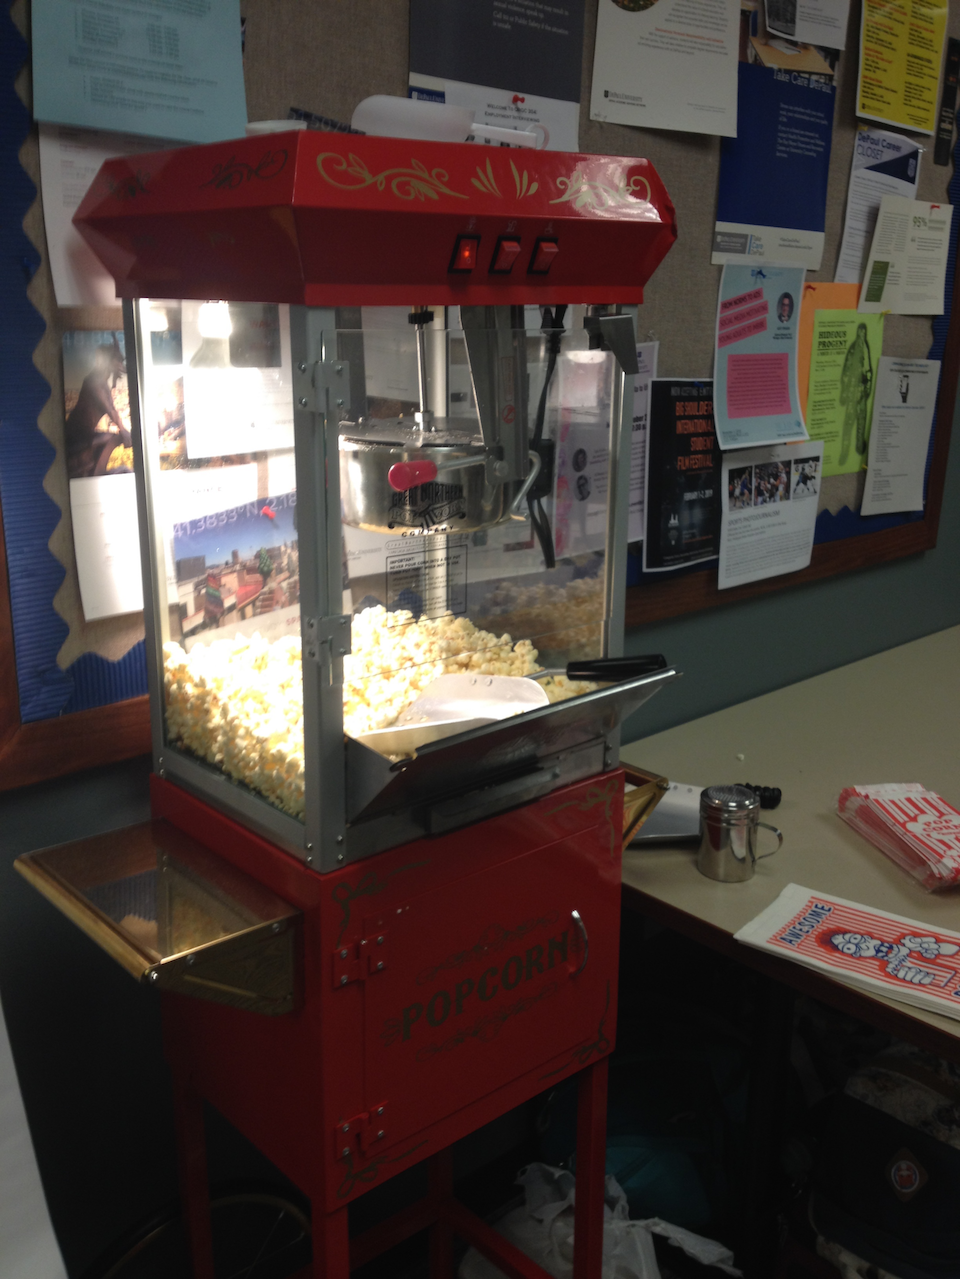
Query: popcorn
pixel 565 620
pixel 238 703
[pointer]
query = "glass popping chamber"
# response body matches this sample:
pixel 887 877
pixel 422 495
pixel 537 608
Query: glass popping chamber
pixel 355 521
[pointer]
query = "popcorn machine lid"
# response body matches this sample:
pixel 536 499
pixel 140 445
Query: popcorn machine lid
pixel 331 220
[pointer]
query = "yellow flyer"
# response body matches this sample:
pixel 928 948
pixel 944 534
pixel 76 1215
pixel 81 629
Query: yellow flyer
pixel 901 51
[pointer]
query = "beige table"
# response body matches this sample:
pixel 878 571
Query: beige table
pixel 894 717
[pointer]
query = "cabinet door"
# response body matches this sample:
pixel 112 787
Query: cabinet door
pixel 487 978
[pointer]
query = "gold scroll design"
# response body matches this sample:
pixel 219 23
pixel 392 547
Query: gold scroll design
pixel 601 195
pixel 602 796
pixel 526 184
pixel 416 183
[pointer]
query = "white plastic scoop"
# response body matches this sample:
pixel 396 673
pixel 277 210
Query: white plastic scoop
pixel 455 704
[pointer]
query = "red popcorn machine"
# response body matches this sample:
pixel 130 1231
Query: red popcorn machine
pixel 382 404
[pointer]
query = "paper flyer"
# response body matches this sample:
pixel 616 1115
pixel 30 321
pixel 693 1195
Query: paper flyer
pixel 943 147
pixel 682 476
pixel 879 952
pixel 907 265
pixel 582 460
pixel 69 161
pixel 99 454
pixel 843 366
pixel 818 296
pixel 901 49
pixel 143 66
pixel 516 66
pixel 647 359
pixel 237 378
pixel 667 64
pixel 822 22
pixel 755 365
pixel 883 164
pixel 769 511
pixel 772 195
pixel 903 410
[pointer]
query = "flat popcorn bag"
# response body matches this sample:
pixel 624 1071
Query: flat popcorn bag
pixel 879 952
pixel 913 826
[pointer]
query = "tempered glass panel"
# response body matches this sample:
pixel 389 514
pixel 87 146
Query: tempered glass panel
pixel 450 566
pixel 217 410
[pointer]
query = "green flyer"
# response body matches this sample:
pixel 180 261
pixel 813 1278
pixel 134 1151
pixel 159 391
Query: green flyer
pixel 843 374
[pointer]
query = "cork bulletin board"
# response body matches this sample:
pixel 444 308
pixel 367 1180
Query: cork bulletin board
pixel 72 693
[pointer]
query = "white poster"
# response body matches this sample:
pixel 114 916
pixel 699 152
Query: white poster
pixel 769 511
pixel 900 435
pixel 69 161
pixel 106 542
pixel 883 164
pixel 817 22
pixel 555 123
pixel 667 64
pixel 647 359
pixel 907 266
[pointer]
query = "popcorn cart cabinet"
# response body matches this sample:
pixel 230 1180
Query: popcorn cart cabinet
pixel 382 405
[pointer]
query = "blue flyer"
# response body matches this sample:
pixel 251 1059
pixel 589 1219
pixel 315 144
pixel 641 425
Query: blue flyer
pixel 772 197
pixel 162 68
pixel 755 371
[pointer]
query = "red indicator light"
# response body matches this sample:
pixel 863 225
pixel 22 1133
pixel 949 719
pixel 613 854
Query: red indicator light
pixel 465 253
pixel 504 255
pixel 544 252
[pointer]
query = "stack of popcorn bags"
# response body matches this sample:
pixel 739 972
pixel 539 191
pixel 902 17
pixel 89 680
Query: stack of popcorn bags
pixel 912 825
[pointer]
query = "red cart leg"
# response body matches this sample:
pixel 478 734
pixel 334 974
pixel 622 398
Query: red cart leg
pixel 591 1170
pixel 194 1185
pixel 441 1233
pixel 331 1242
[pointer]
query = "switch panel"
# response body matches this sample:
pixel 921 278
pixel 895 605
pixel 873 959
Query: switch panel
pixel 504 255
pixel 544 252
pixel 465 253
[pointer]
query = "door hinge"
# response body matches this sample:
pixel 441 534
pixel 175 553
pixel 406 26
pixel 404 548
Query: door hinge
pixel 366 1130
pixel 323 387
pixel 327 641
pixel 355 961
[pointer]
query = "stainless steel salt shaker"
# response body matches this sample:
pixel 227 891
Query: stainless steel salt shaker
pixel 729 819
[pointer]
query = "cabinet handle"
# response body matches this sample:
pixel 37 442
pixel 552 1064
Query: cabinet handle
pixel 584 938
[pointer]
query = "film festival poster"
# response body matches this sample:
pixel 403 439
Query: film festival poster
pixel 682 475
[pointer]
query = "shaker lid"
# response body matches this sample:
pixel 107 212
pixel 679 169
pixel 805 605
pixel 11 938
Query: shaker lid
pixel 728 799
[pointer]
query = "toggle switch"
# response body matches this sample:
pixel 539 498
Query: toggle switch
pixel 465 253
pixel 544 252
pixel 504 255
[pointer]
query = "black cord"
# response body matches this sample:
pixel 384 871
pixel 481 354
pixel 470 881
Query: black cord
pixel 553 328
